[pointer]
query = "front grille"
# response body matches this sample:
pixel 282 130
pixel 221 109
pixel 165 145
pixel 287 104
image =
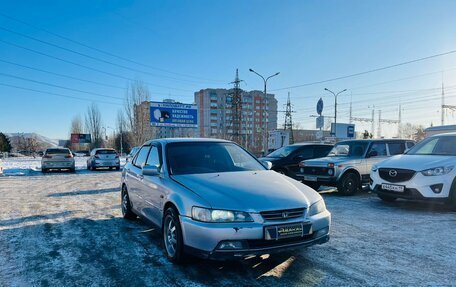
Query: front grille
pixel 396 174
pixel 284 214
pixel 314 170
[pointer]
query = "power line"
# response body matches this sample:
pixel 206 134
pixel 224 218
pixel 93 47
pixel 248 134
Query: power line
pixel 86 67
pixel 58 86
pixel 57 94
pixel 103 51
pixel 368 71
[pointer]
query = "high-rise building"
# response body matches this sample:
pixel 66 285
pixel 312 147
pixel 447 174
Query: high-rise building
pixel 215 116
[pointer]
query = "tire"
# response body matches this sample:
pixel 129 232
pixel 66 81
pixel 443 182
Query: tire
pixel 451 201
pixel 72 170
pixel 44 170
pixel 117 167
pixel 314 185
pixel 172 237
pixel 127 211
pixel 348 184
pixel 387 198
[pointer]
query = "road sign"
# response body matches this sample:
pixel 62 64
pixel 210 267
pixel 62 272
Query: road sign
pixel 173 115
pixel 320 106
pixel 320 122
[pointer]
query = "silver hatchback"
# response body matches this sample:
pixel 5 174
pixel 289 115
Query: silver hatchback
pixel 103 157
pixel 57 158
pixel 213 199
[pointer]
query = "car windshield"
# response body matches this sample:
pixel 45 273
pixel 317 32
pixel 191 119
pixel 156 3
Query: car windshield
pixel 440 145
pixel 283 151
pixel 209 157
pixel 350 149
pixel 57 151
pixel 106 151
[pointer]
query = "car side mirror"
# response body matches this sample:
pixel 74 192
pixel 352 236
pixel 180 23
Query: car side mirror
pixel 372 153
pixel 266 164
pixel 151 170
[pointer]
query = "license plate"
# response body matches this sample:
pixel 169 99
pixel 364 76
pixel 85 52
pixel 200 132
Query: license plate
pixel 393 187
pixel 310 178
pixel 287 231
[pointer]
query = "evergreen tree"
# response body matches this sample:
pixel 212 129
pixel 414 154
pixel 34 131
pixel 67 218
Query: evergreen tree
pixel 5 145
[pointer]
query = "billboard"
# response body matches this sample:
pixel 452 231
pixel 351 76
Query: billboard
pixel 343 131
pixel 173 115
pixel 81 138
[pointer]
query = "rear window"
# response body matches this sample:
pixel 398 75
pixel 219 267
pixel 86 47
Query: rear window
pixel 57 151
pixel 106 151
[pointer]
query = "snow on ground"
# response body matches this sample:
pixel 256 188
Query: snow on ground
pixel 20 166
pixel 62 229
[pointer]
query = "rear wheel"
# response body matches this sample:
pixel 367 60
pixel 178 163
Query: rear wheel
pixel 117 167
pixel 172 236
pixel 127 211
pixel 348 184
pixel 44 170
pixel 72 169
pixel 387 198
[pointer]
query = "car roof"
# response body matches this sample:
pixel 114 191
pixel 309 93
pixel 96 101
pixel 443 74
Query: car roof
pixel 311 143
pixel 444 135
pixel 375 140
pixel 185 140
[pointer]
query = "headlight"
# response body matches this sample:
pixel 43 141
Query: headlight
pixel 317 207
pixel 374 168
pixel 437 171
pixel 216 215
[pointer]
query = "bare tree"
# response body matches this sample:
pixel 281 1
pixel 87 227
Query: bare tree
pixel 77 127
pixel 137 112
pixel 94 125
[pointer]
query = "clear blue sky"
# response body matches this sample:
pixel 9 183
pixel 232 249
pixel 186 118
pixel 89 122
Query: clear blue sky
pixel 306 41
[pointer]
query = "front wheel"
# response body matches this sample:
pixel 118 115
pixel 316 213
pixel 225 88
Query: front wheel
pixel 172 237
pixel 451 201
pixel 387 198
pixel 348 184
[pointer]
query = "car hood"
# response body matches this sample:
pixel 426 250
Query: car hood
pixel 417 162
pixel 331 159
pixel 251 191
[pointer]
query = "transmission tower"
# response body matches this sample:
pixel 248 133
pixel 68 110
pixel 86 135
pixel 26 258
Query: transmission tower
pixel 236 110
pixel 445 107
pixel 288 126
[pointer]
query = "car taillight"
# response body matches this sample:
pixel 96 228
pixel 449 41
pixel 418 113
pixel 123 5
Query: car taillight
pixel 69 156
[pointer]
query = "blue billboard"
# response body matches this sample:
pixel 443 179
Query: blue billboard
pixel 173 115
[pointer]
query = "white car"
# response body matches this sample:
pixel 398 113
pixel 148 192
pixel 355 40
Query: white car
pixel 426 172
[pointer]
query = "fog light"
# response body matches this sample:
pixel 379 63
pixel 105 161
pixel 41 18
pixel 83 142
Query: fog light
pixel 330 172
pixel 322 232
pixel 231 245
pixel 437 188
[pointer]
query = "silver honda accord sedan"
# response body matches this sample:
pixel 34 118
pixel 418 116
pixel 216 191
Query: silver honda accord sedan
pixel 213 199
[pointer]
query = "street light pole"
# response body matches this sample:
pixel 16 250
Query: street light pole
pixel 265 81
pixel 335 106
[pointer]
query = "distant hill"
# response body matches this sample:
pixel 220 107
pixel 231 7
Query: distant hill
pixel 42 141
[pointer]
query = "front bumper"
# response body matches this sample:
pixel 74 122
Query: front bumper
pixel 202 239
pixel 419 187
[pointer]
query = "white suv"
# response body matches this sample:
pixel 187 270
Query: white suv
pixel 427 171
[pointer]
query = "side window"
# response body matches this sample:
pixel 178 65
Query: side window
pixel 140 159
pixel 305 153
pixel 321 151
pixel 396 148
pixel 379 148
pixel 410 144
pixel 154 157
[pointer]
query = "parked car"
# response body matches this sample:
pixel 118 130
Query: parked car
pixel 349 163
pixel 103 158
pixel 427 171
pixel 57 158
pixel 213 199
pixel 285 160
pixel 132 153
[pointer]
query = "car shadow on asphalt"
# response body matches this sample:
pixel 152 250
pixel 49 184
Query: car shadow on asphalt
pixel 84 192
pixel 26 219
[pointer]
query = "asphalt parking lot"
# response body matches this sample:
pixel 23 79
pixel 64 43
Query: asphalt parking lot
pixel 66 229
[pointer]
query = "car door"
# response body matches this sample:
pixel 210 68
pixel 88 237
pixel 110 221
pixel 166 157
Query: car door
pixel 303 153
pixel 377 152
pixel 151 188
pixel 134 178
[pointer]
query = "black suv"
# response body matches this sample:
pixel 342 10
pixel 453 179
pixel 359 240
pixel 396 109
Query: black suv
pixel 286 159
